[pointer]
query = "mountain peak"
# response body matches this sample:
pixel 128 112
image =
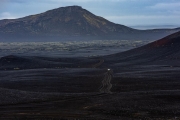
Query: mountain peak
pixel 74 7
pixel 68 9
pixel 71 22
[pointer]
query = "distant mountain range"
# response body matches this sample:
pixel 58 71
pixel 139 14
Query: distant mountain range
pixel 72 23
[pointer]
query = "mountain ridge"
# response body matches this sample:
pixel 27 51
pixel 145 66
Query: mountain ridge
pixel 163 52
pixel 71 23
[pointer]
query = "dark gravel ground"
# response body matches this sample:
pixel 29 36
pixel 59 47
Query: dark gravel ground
pixel 74 94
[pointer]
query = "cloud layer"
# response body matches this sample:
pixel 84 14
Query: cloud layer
pixel 166 6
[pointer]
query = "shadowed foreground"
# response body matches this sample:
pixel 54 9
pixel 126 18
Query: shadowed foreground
pixel 144 85
pixel 77 93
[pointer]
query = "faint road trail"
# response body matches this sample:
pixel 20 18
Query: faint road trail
pixel 106 82
pixel 101 61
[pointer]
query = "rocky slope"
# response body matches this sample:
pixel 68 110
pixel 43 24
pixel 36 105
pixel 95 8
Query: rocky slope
pixel 71 23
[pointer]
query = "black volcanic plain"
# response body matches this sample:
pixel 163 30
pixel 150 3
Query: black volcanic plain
pixel 145 82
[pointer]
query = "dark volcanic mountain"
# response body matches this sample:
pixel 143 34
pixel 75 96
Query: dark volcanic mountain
pixel 72 23
pixel 164 52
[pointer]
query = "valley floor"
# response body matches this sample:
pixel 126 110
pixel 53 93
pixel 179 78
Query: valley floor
pixel 75 94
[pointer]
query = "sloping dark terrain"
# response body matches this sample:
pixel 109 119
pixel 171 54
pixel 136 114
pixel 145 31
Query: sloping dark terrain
pixel 12 62
pixel 142 83
pixel 162 52
pixel 72 23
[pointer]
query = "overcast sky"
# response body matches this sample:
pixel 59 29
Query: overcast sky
pixel 137 13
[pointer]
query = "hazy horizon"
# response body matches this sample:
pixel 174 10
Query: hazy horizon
pixel 144 27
